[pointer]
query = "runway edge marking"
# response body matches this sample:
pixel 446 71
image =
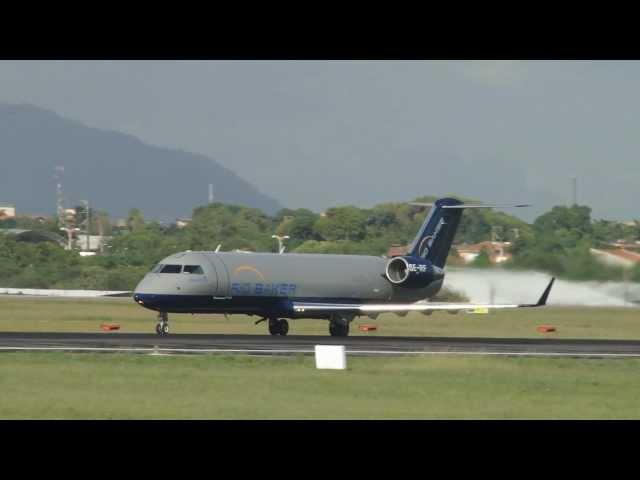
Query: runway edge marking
pixel 351 352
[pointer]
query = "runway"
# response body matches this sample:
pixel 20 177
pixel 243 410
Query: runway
pixel 291 345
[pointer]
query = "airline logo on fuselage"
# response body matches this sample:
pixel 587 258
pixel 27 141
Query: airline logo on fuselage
pixel 263 289
pixel 248 268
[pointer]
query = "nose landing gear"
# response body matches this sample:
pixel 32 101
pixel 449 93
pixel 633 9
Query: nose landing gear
pixel 278 326
pixel 162 328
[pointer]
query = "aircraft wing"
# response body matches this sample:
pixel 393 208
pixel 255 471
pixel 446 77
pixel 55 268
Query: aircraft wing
pixel 301 307
pixel 36 292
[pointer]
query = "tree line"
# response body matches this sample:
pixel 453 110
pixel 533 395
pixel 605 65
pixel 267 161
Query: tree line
pixel 558 242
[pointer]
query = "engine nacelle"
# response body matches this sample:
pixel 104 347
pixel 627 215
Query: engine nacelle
pixel 412 272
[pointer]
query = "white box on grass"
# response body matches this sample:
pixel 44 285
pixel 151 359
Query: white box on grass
pixel 331 356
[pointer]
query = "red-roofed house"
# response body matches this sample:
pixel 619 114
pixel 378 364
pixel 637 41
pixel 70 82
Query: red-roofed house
pixel 618 257
pixel 497 251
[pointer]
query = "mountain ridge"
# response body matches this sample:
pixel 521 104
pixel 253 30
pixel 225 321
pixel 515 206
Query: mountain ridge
pixel 115 171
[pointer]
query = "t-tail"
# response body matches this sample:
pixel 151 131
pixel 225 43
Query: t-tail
pixel 433 240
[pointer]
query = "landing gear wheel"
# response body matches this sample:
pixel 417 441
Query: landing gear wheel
pixel 278 326
pixel 284 327
pixel 338 329
pixel 162 328
pixel 274 326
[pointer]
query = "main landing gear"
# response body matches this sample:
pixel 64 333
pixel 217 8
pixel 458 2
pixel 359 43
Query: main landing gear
pixel 339 325
pixel 278 326
pixel 162 328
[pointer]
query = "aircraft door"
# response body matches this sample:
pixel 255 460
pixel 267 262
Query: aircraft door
pixel 222 290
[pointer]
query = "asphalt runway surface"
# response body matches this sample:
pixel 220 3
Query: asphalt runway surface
pixel 294 344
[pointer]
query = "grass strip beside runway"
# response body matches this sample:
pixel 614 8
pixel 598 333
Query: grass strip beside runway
pixel 65 315
pixel 120 386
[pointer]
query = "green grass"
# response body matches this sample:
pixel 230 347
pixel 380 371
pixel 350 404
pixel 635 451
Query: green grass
pixel 47 314
pixel 118 386
pixel 65 385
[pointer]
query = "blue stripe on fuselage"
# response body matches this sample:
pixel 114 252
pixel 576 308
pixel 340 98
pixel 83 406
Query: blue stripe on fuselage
pixel 267 306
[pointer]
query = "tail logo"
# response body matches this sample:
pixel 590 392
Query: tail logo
pixel 427 242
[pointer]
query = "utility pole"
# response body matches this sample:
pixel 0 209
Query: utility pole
pixel 101 233
pixel 88 223
pixel 211 193
pixel 59 170
pixel 574 191
pixel 63 222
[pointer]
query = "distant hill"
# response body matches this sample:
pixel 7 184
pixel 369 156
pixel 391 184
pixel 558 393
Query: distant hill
pixel 114 171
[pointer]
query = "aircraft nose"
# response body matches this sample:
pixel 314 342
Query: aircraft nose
pixel 143 293
pixel 151 283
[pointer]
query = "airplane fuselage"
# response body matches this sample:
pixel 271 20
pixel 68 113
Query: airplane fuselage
pixel 266 284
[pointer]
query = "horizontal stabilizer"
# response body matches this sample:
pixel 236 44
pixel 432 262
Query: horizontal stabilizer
pixel 470 205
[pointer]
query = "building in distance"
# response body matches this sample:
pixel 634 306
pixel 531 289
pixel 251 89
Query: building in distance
pixel 617 257
pixel 7 210
pixel 91 243
pixel 497 251
pixel 182 222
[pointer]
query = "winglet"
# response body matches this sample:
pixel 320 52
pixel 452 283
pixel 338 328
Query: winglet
pixel 542 301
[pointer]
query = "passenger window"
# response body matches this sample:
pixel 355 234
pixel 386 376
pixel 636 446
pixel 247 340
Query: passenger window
pixel 194 269
pixel 171 269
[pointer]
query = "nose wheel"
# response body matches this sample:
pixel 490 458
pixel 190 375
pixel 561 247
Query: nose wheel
pixel 162 328
pixel 278 326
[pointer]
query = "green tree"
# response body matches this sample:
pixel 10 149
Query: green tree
pixel 342 223
pixel 135 220
pixel 482 260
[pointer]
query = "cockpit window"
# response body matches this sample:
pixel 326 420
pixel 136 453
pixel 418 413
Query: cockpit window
pixel 171 269
pixel 193 269
pixel 157 268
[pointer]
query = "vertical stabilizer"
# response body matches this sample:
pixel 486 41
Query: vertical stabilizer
pixel 433 240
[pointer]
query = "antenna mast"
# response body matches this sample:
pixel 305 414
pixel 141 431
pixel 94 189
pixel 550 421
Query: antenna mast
pixel 59 170
pixel 63 223
pixel 87 222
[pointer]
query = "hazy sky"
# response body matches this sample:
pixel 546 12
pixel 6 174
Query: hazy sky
pixel 321 133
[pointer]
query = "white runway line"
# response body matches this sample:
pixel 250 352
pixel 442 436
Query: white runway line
pixel 160 351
